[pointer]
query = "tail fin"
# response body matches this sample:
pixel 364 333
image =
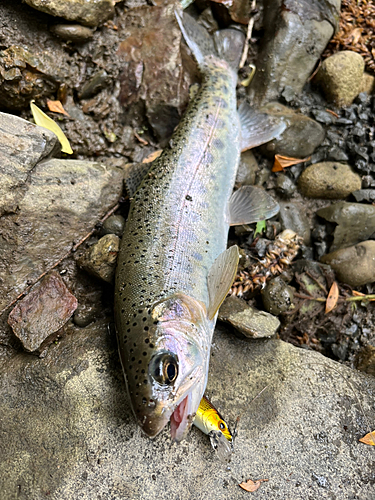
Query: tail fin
pixel 228 43
pixel 196 37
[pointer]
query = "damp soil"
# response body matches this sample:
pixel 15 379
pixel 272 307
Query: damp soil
pixel 87 79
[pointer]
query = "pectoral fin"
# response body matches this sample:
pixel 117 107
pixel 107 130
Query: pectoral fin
pixel 220 278
pixel 134 173
pixel 250 204
pixel 257 128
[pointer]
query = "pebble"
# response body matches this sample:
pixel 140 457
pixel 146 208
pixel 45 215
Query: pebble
pixel 340 77
pixel 247 320
pixel 42 312
pixel 285 186
pixel 72 32
pixel 247 169
pixel 113 225
pixel 367 83
pixel 365 195
pixel 87 12
pixel 85 314
pixel 100 259
pixel 292 216
pixel 277 296
pixel 353 265
pixel 94 84
pixel 328 179
pixel 300 138
pixel 355 222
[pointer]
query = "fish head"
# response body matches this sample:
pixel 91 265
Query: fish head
pixel 175 366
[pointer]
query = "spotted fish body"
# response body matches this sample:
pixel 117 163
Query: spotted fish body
pixel 176 228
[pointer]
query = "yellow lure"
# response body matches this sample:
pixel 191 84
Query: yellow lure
pixel 208 419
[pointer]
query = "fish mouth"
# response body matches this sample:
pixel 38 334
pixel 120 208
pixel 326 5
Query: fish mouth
pixel 182 418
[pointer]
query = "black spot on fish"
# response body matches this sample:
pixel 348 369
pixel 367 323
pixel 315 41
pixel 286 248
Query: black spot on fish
pixel 188 197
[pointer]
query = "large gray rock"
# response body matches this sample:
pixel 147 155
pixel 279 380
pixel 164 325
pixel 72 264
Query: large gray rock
pixel 68 431
pixel 22 146
pixel 60 203
pixel 296 33
pixel 89 12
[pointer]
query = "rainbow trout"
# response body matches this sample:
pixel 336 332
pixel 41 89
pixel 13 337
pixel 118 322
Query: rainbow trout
pixel 173 269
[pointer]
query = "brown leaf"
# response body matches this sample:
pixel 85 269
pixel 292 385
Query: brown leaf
pixel 282 162
pixel 332 298
pixel 252 485
pixel 369 439
pixel 151 157
pixel 56 107
pixel 356 35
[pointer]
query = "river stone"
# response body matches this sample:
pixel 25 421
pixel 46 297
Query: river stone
pixel 329 179
pixel 296 33
pixel 285 186
pixel 100 259
pixel 367 84
pixel 247 169
pixel 68 431
pixel 247 320
pixel 61 202
pixel 113 225
pixel 42 312
pixel 300 138
pixel 72 32
pixel 292 216
pixel 340 76
pixel 353 265
pixel 355 222
pixel 22 145
pixel 277 296
pixel 87 12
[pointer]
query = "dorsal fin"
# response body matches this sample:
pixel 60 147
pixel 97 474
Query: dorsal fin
pixel 220 278
pixel 250 204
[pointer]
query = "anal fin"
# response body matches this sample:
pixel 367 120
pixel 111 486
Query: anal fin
pixel 250 204
pixel 257 128
pixel 220 278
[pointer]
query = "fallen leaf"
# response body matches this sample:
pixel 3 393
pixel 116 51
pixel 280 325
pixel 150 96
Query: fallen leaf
pixel 332 298
pixel 151 157
pixel 252 485
pixel 356 35
pixel 56 107
pixel 260 227
pixel 369 439
pixel 45 121
pixel 282 162
pixel 358 294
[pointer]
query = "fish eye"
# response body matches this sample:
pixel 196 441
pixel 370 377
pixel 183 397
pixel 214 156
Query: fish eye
pixel 163 368
pixel 222 426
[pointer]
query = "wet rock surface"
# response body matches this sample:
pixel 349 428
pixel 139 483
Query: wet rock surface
pixel 91 446
pixel 331 180
pixel 277 296
pixel 247 320
pixel 42 312
pixel 292 216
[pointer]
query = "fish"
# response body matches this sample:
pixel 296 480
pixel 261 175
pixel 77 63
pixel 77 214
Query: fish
pixel 174 269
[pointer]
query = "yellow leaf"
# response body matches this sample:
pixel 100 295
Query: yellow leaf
pixel 151 157
pixel 286 161
pixel 252 485
pixel 369 439
pixel 45 121
pixel 56 107
pixel 332 298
